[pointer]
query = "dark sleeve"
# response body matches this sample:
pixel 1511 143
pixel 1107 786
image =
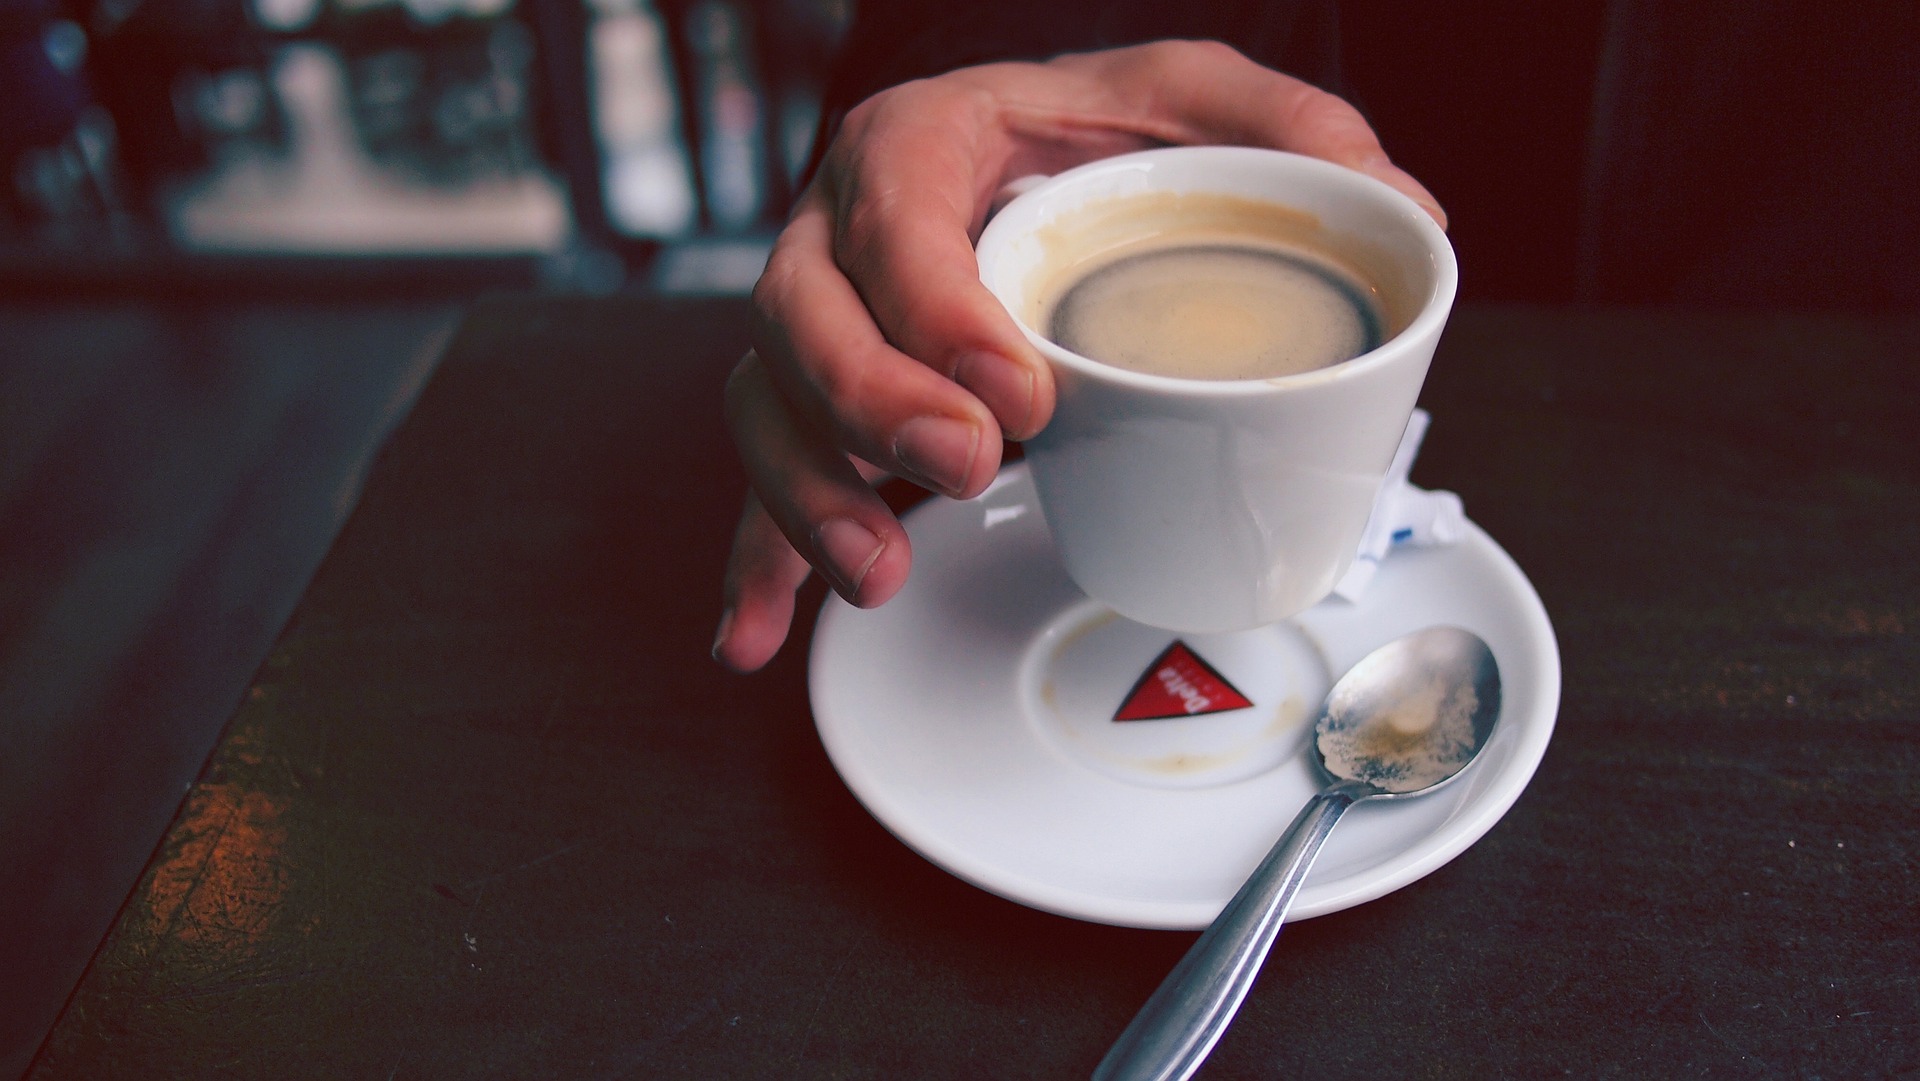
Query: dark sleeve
pixel 893 41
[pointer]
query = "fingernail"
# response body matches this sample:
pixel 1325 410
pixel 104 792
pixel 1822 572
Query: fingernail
pixel 1006 387
pixel 938 451
pixel 848 550
pixel 720 636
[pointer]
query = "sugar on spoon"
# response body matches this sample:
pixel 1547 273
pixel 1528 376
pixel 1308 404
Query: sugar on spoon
pixel 1404 721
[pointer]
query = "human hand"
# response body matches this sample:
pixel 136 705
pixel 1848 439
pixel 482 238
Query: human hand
pixel 876 348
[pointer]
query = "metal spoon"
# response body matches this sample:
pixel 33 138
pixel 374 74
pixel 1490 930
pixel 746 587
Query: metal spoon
pixel 1402 722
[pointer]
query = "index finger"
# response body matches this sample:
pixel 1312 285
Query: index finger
pixel 1207 92
pixel 909 181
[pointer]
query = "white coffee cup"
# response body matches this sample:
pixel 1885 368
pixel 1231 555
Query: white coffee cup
pixel 1213 505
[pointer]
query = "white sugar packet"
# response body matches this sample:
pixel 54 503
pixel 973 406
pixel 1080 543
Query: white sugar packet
pixel 1403 514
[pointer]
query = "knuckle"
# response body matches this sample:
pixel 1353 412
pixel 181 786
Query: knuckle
pixel 1319 106
pixel 776 281
pixel 1328 121
pixel 870 121
pixel 864 227
pixel 860 117
pixel 1209 53
pixel 841 380
pixel 1190 59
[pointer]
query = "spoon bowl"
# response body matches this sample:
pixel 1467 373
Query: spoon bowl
pixel 1404 721
pixel 1411 715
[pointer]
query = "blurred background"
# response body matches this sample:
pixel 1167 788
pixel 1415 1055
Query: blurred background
pixel 446 144
pixel 1601 151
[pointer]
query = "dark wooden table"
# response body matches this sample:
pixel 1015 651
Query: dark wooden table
pixel 490 811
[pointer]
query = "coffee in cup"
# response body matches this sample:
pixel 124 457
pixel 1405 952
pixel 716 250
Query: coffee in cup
pixel 1205 287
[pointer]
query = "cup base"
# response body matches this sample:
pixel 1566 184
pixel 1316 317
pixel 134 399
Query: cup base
pixel 1089 666
pixel 931 709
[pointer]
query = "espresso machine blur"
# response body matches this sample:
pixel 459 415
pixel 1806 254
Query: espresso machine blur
pixel 391 127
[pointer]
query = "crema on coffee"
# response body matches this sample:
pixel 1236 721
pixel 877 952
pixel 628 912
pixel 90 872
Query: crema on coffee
pixel 1221 310
pixel 1201 286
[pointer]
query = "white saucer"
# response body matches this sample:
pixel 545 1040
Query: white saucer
pixel 972 716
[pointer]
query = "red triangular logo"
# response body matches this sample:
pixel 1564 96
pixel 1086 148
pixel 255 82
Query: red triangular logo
pixel 1179 684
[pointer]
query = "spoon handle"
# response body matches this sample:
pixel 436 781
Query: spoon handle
pixel 1172 1033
